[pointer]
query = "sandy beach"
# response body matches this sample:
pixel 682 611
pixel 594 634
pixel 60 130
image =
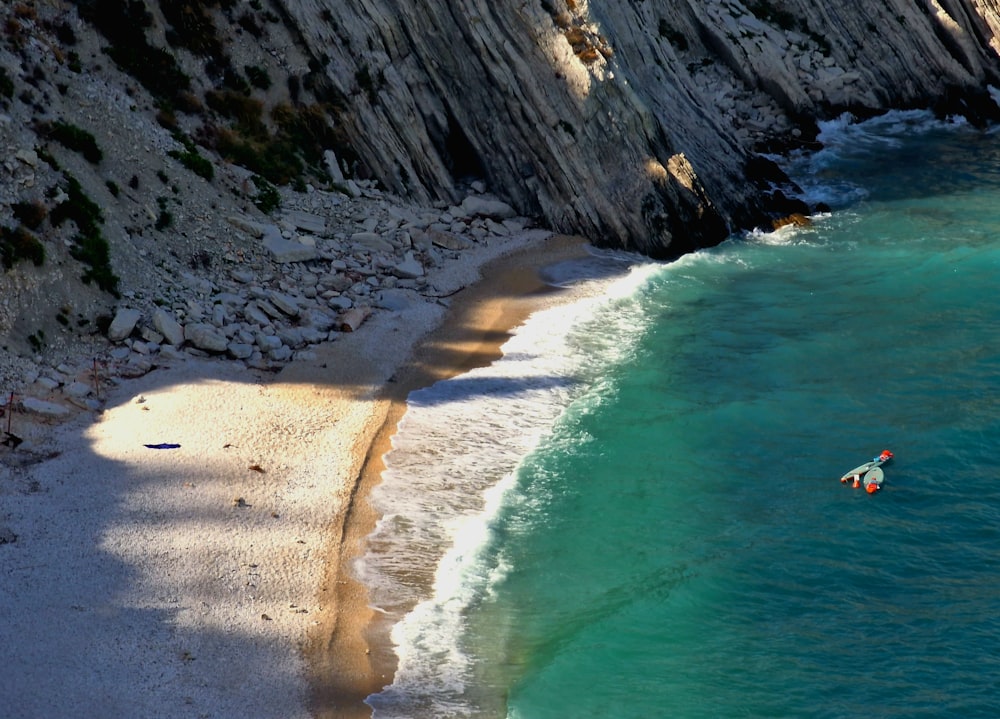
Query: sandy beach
pixel 209 574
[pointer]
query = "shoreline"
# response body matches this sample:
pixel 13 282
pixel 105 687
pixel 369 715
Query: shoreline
pixel 214 576
pixel 351 655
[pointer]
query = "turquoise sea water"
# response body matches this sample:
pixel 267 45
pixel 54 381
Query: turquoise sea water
pixel 637 513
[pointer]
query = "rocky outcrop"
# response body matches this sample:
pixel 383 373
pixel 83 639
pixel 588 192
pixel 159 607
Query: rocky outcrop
pixel 128 188
pixel 268 312
pixel 630 122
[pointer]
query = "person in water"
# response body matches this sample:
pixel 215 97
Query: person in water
pixel 882 458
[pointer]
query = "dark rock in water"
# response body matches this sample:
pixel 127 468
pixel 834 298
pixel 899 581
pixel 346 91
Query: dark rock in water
pixel 795 220
pixel 7 536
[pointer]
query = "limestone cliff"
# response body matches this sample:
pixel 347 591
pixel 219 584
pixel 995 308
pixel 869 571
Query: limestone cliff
pixel 634 123
pixel 133 130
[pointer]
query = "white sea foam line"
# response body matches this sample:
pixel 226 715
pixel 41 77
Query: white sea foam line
pixel 845 136
pixel 884 129
pixel 438 457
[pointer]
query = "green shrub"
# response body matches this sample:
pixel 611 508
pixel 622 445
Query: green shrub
pixel 123 23
pixel 19 244
pixel 79 208
pixel 249 24
pixel 268 199
pixel 76 139
pixel 299 137
pixel 188 103
pixel 165 218
pixel 366 83
pixel 30 214
pixel 166 119
pixel 153 67
pixel 89 245
pixel 232 80
pixel 191 159
pixel 37 340
pixel 194 162
pixel 307 129
pixel 273 159
pixel 45 156
pixel 192 27
pixel 64 33
pixel 6 84
pixel 246 111
pixel 258 77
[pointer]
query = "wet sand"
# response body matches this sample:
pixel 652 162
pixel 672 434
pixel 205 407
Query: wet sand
pixel 350 654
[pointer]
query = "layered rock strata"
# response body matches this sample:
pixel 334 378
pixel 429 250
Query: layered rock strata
pixel 642 125
pixel 634 123
pixel 319 281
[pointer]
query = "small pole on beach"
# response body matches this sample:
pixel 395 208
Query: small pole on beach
pixel 10 440
pixel 97 381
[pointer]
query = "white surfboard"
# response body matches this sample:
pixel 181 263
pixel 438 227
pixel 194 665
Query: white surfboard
pixel 875 476
pixel 860 470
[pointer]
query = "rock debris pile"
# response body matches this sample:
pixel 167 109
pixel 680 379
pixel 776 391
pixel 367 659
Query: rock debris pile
pixel 296 283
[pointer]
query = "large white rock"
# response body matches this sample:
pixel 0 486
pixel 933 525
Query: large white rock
pixel 256 315
pixel 409 269
pixel 43 408
pixel 240 350
pixel 270 310
pixel 291 336
pixel 284 251
pixel 394 300
pixel 285 303
pixel 333 167
pixel 78 389
pixel 254 228
pixel 206 337
pixel 448 240
pixel 372 240
pixel 167 326
pixel 319 320
pixel 268 342
pixel 306 221
pixel 122 325
pixel 476 206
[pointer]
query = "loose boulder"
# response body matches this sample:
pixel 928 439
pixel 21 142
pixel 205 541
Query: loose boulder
pixel 123 324
pixel 40 407
pixel 476 206
pixel 167 326
pixel 206 337
pixel 284 251
pixel 409 269
pixel 353 318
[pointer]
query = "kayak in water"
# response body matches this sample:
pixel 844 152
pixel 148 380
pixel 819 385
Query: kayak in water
pixel 869 474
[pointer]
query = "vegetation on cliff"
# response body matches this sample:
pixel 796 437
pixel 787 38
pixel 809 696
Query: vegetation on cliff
pixel 135 125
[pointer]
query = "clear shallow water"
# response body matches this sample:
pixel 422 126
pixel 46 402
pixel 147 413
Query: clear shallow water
pixel 638 507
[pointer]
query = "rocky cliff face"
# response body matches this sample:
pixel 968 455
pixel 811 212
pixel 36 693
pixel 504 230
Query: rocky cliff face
pixel 634 123
pixel 133 130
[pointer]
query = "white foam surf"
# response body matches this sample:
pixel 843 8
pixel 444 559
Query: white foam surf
pixel 453 459
pixel 846 139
